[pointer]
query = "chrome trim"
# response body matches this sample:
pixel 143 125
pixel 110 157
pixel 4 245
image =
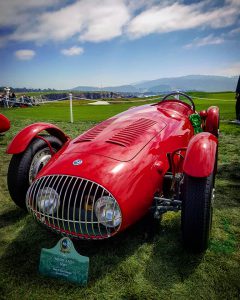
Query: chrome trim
pixel 75 215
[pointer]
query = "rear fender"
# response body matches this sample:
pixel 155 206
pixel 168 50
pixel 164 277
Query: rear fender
pixel 212 120
pixel 21 141
pixel 201 155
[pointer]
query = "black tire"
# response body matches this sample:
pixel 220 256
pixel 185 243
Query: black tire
pixel 216 130
pixel 19 168
pixel 197 212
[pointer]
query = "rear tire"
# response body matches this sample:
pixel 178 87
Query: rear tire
pixel 19 177
pixel 197 212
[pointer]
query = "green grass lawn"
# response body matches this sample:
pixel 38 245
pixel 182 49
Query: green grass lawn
pixel 59 111
pixel 134 264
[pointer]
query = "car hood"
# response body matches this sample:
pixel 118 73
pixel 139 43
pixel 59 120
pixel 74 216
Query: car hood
pixel 120 138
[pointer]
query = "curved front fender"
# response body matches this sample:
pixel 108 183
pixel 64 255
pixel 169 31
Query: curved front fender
pixel 24 137
pixel 4 123
pixel 200 156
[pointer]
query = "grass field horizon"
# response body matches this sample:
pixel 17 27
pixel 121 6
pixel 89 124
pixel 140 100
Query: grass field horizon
pixel 134 264
pixel 59 110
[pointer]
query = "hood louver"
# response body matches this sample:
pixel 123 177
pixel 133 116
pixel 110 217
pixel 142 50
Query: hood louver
pixel 126 136
pixel 94 132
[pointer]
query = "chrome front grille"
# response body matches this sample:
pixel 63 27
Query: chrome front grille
pixel 66 204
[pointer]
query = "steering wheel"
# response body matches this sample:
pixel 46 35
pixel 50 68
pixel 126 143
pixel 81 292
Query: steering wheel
pixel 182 94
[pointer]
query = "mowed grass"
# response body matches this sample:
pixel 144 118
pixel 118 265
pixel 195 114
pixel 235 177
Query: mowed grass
pixel 135 264
pixel 59 111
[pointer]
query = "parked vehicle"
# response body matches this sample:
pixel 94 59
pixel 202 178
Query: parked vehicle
pixel 4 123
pixel 148 159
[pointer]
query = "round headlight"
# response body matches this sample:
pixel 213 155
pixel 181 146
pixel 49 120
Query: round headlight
pixel 47 200
pixel 108 212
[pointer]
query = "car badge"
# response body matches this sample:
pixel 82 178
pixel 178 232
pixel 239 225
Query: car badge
pixel 77 162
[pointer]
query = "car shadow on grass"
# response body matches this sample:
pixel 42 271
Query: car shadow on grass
pixel 23 253
pixel 20 260
pixel 229 171
pixel 169 261
pixel 11 216
pixel 228 185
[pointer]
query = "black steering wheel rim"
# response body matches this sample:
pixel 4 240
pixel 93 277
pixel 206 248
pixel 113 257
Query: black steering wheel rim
pixel 182 94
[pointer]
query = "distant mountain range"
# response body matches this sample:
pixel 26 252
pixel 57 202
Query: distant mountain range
pixel 205 83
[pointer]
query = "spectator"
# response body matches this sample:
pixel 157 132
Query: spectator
pixel 12 95
pixel 238 100
pixel 5 99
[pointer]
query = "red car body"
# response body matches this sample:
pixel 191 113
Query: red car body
pixel 125 158
pixel 4 123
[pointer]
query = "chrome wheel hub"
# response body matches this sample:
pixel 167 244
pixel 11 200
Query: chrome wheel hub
pixel 40 159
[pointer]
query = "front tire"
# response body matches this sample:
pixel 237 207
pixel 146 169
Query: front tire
pixel 197 212
pixel 25 166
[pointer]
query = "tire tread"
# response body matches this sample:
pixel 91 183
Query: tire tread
pixel 18 170
pixel 196 212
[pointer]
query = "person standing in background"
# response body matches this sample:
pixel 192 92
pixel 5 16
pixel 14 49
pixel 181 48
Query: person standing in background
pixel 238 100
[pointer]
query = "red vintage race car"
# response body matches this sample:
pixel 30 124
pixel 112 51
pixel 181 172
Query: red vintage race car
pixel 148 159
pixel 4 123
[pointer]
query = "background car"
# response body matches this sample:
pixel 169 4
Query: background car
pixel 4 123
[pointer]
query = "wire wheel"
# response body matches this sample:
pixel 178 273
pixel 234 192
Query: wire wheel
pixel 25 166
pixel 39 160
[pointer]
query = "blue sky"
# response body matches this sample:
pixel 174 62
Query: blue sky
pixel 65 43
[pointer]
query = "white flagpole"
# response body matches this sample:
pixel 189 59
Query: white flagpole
pixel 71 110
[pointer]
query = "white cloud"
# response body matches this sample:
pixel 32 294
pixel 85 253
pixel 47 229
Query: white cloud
pixel 233 2
pixel 232 69
pixel 3 41
pixel 179 16
pixel 15 12
pixel 73 51
pixel 234 32
pixel 25 54
pixel 208 40
pixel 95 21
pixel 135 5
pixel 213 40
pixel 102 20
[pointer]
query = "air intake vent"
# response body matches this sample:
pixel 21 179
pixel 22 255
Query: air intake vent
pixel 94 132
pixel 67 204
pixel 126 136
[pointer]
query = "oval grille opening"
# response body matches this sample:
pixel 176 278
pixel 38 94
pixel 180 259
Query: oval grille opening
pixel 66 205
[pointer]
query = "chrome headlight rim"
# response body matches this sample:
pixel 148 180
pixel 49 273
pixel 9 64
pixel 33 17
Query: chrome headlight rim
pixel 108 212
pixel 47 200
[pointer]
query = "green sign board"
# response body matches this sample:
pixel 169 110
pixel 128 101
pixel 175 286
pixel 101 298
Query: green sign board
pixel 63 261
